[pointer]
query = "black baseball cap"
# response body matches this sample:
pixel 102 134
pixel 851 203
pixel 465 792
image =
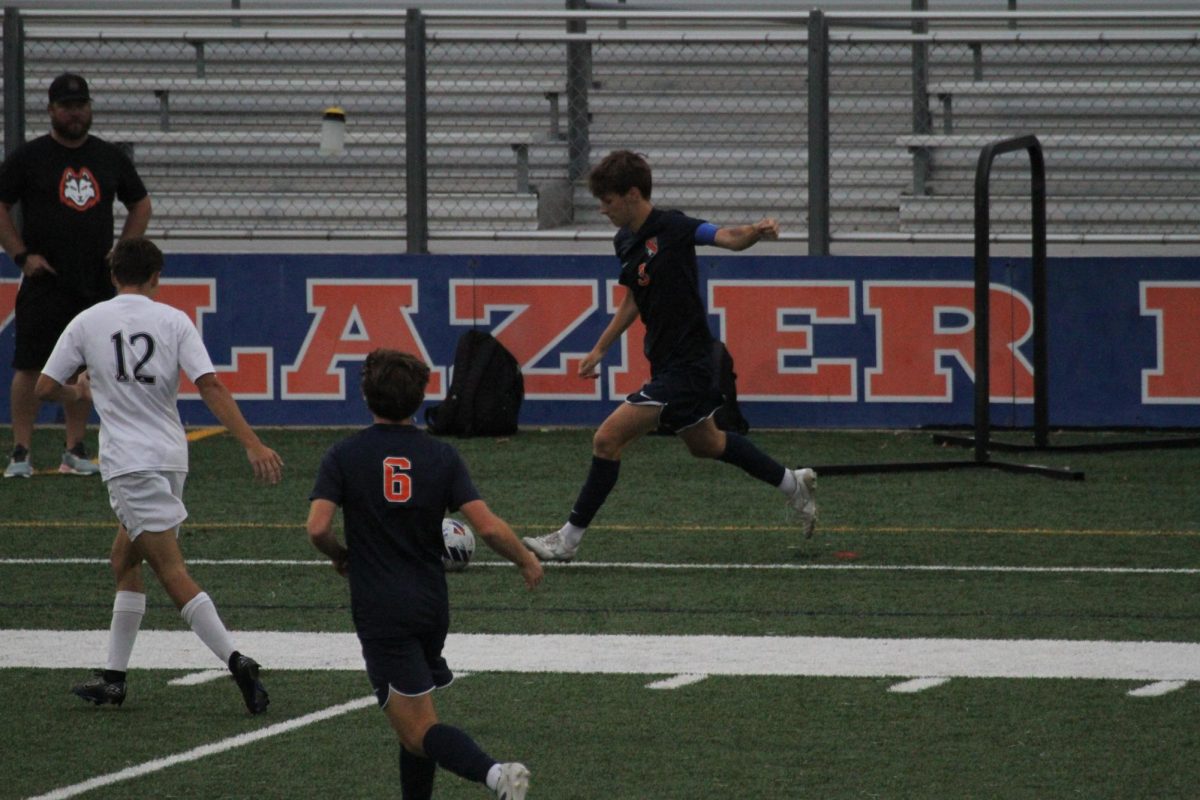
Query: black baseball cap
pixel 68 87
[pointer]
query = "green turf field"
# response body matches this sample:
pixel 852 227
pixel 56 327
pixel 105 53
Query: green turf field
pixel 684 549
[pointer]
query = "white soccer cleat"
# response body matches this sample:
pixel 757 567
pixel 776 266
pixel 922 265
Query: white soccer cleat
pixel 19 469
pixel 550 547
pixel 802 502
pixel 73 464
pixel 513 783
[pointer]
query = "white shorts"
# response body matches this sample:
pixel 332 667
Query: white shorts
pixel 148 501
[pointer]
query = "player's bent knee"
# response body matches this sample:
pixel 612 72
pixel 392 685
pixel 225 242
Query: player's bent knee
pixel 705 446
pixel 704 450
pixel 412 738
pixel 606 447
pixel 411 718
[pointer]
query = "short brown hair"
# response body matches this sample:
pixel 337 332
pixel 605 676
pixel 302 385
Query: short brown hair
pixel 620 171
pixel 393 383
pixel 134 261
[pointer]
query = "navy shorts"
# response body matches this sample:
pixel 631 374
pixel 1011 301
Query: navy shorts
pixel 42 312
pixel 409 665
pixel 687 393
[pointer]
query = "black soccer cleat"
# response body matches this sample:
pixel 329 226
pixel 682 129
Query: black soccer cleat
pixel 245 673
pixel 99 691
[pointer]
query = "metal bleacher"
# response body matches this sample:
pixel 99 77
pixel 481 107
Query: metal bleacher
pixel 224 120
pixel 1115 111
pixel 226 133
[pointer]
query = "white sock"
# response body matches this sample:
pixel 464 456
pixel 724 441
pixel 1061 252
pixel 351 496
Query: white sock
pixel 201 615
pixel 572 535
pixel 788 484
pixel 128 610
pixel 493 776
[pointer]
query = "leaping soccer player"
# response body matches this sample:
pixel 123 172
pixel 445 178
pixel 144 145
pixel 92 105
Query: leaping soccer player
pixel 657 250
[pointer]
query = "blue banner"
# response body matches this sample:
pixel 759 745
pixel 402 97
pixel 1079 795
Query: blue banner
pixel 817 342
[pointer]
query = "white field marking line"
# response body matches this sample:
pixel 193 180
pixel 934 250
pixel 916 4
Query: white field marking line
pixel 1157 689
pixel 650 565
pixel 210 675
pixel 686 679
pixel 642 529
pixel 917 685
pixel 202 751
pixel 812 656
pixel 197 678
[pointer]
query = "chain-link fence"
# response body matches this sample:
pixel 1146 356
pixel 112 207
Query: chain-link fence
pixel 1116 117
pixel 225 114
pixel 723 124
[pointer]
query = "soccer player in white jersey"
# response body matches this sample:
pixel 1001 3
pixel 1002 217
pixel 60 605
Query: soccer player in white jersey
pixel 133 349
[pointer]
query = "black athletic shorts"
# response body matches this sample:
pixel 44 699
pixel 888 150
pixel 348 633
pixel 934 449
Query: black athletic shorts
pixel 688 394
pixel 411 665
pixel 42 312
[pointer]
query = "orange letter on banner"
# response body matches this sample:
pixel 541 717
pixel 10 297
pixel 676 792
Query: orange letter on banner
pixel 1175 306
pixel 919 324
pixel 540 314
pixel 352 318
pixel 250 376
pixel 756 328
pixel 634 370
pixel 8 300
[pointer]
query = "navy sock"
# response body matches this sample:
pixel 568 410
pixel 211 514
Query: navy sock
pixel 740 452
pixel 416 776
pixel 454 750
pixel 601 478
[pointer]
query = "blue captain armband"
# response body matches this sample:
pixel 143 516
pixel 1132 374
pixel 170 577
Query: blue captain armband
pixel 706 233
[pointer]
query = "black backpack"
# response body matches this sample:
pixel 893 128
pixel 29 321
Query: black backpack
pixel 485 393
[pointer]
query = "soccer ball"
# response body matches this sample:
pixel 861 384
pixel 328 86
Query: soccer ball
pixel 458 545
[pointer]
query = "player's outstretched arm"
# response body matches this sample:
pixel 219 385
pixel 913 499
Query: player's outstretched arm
pixel 500 537
pixel 739 237
pixel 265 462
pixel 320 533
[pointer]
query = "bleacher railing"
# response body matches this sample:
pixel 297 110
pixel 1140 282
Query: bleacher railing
pixel 848 127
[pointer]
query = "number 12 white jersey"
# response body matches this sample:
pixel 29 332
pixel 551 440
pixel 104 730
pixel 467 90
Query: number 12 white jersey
pixel 133 349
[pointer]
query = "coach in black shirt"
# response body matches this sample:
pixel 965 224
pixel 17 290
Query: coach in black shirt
pixel 66 182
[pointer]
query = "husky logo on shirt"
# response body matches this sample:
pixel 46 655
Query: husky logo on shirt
pixel 78 190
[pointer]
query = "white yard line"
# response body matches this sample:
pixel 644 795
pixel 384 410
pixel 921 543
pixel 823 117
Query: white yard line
pixel 677 681
pixel 1160 667
pixel 650 565
pixel 1157 689
pixel 917 685
pixel 648 655
pixel 202 751
pixel 197 678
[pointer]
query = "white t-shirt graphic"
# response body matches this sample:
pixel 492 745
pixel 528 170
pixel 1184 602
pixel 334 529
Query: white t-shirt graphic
pixel 133 349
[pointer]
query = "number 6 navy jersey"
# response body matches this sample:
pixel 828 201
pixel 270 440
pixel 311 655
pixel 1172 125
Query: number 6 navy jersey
pixel 395 483
pixel 133 349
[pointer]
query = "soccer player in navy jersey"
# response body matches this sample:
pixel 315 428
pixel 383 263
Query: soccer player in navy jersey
pixel 657 250
pixel 395 484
